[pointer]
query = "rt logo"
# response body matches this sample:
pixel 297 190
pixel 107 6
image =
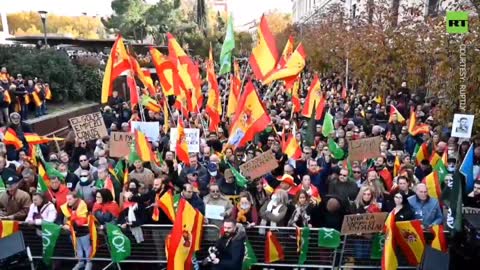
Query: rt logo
pixel 457 22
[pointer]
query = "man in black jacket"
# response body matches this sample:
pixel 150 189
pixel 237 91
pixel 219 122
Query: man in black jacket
pixel 230 247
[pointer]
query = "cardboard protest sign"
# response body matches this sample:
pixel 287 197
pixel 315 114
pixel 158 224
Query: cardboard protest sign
pixel 89 126
pixel 363 223
pixel 150 129
pixel 260 165
pixel 192 136
pixel 119 144
pixel 364 148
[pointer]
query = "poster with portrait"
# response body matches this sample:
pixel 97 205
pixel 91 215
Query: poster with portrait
pixel 462 125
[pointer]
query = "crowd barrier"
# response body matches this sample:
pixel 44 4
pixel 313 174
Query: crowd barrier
pixel 351 254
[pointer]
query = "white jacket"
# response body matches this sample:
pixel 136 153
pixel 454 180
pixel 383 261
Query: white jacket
pixel 48 213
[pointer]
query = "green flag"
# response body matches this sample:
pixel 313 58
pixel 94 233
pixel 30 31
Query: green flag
pixel 455 202
pixel 39 153
pixel 327 127
pixel 41 185
pixel 328 238
pixel 336 150
pixel 442 171
pixel 50 233
pixel 2 185
pixel 304 242
pixel 176 200
pixel 51 171
pixel 377 246
pixel 120 169
pixel 240 180
pixel 119 244
pixel 227 48
pixel 249 259
pixel 133 153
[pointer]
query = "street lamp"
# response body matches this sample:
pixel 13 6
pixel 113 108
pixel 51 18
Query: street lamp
pixel 43 16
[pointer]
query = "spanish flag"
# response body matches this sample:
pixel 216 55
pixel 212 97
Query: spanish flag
pixel 109 186
pixel 10 138
pixel 181 145
pixel 188 72
pixel 118 62
pixel 287 52
pixel 314 97
pixel 294 65
pixel 33 139
pixel 445 156
pixel 166 204
pixel 433 185
pixel 183 102
pixel 167 73
pixel 292 148
pixel 6 97
pixel 143 147
pixel 234 95
pixel 166 120
pixel 8 227
pixel 389 257
pixel 295 95
pixel 273 249
pixel 139 73
pixel 93 235
pixel 214 103
pixel 422 153
pixel 415 129
pixel 396 166
pixel 150 104
pixel 43 174
pixel 199 221
pixel 36 98
pixel 395 113
pixel 48 92
pixel 132 86
pixel 439 242
pixel 411 240
pixel 250 118
pixel 265 54
pixel 434 158
pixel 181 244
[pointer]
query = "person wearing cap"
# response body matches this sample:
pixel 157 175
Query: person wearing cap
pixel 215 176
pixel 14 203
pixel 195 165
pixel 287 184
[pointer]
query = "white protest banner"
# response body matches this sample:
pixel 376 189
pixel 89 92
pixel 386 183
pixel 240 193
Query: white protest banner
pixel 192 136
pixel 89 126
pixel 150 129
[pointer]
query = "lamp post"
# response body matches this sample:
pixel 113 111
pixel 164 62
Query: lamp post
pixel 43 16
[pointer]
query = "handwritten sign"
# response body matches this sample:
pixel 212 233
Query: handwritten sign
pixel 470 210
pixel 234 199
pixel 364 148
pixel 120 144
pixel 260 165
pixel 192 135
pixel 150 129
pixel 363 223
pixel 89 126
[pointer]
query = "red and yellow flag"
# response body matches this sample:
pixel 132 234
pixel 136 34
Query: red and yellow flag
pixel 292 148
pixel 10 138
pixel 48 92
pixel 143 147
pixel 250 118
pixel 167 73
pixel 265 54
pixel 166 204
pixel 433 185
pixel 118 62
pixel 36 98
pixel 43 174
pixel 287 52
pixel 199 221
pixel 234 95
pixel 151 104
pixel 445 157
pixel 415 129
pixel 273 249
pixel 295 95
pixel 8 227
pixel 439 242
pixel 109 186
pixel 396 166
pixel 294 65
pixel 181 145
pixel 389 257
pixel 434 158
pixel 6 97
pixel 34 138
pixel 139 73
pixel 188 72
pixel 411 240
pixel 395 113
pixel 214 102
pixel 93 235
pixel 166 118
pixel 314 97
pixel 181 244
pixel 423 153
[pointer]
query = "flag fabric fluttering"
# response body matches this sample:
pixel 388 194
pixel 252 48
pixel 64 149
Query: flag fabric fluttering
pixel 117 63
pixel 10 137
pixel 433 185
pixel 439 242
pixel 166 204
pixel 2 185
pixel 181 144
pixel 314 97
pixel 294 65
pixel 467 168
pixel 240 180
pixel 303 240
pixel 143 147
pixel 396 165
pixel 415 129
pixel 167 73
pixel 395 114
pixel 250 258
pixel 335 149
pixel 410 238
pixel 265 54
pixel 8 227
pixel 93 235
pixel 50 234
pixel 120 245
pixel 292 148
pixel 377 246
pixel 227 48
pixel 214 102
pixel 150 104
pixel 273 250
pixel 286 53
pixel 235 87
pixel 389 256
pixel 328 238
pixel 328 127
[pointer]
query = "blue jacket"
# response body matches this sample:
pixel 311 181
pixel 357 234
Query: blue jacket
pixel 428 211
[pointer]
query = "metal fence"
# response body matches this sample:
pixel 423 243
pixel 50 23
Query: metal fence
pixel 353 252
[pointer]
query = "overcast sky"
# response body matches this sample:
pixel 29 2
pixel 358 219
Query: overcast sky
pixel 243 10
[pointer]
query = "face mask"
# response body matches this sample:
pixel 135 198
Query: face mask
pixel 213 173
pixel 83 179
pixel 245 206
pixel 64 174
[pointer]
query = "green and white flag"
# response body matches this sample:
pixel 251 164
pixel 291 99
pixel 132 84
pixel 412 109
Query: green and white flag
pixel 2 185
pixel 41 185
pixel 304 241
pixel 327 127
pixel 377 246
pixel 240 180
pixel 249 259
pixel 227 49
pixel 328 238
pixel 336 150
pixel 120 246
pixel 50 233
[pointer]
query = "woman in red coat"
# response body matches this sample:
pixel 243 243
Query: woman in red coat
pixel 105 208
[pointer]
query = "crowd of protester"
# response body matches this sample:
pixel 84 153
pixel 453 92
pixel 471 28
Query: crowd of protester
pixel 316 190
